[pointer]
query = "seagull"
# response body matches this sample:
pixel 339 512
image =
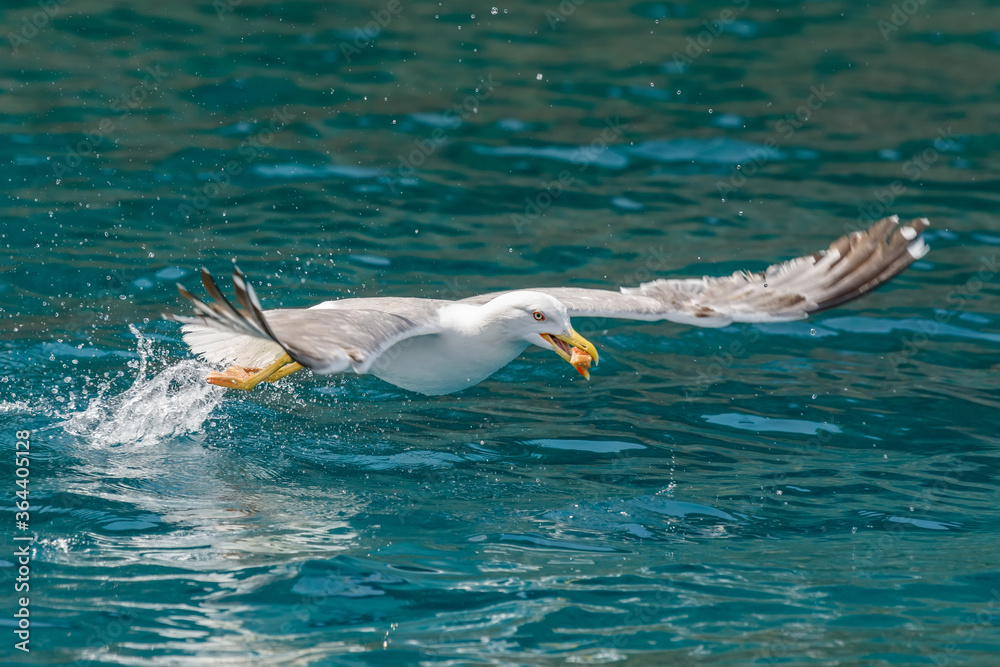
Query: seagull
pixel 437 346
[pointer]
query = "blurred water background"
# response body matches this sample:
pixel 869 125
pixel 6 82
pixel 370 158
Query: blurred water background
pixel 822 492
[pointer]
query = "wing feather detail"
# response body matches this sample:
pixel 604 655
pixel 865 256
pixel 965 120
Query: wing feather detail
pixel 853 265
pixel 326 340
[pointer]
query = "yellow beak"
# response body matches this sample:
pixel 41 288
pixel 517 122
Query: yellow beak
pixel 579 358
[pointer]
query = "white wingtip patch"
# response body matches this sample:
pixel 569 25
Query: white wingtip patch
pixel 918 249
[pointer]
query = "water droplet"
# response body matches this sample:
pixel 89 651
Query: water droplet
pixel 812 332
pixel 765 284
pixel 494 11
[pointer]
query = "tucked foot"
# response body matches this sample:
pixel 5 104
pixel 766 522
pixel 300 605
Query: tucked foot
pixel 283 371
pixel 238 377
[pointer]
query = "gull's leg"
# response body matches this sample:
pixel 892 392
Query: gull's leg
pixel 241 378
pixel 287 369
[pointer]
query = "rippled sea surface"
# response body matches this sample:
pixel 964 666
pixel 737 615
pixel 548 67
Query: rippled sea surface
pixel 820 492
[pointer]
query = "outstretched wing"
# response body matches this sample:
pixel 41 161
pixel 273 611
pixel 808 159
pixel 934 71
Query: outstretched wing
pixel 851 267
pixel 327 340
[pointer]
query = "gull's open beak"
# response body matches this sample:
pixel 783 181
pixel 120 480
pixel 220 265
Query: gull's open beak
pixel 579 358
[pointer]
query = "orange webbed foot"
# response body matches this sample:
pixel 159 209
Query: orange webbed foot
pixel 234 377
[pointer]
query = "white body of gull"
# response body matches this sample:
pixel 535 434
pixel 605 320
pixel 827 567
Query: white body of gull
pixel 434 346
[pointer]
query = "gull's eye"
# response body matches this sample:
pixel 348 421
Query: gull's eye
pixel 538 316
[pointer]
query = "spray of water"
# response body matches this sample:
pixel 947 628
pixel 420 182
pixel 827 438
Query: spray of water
pixel 173 402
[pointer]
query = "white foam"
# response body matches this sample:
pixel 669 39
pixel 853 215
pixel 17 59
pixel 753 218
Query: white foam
pixel 15 407
pixel 173 402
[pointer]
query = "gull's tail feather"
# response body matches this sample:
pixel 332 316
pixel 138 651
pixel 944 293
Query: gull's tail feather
pixel 219 333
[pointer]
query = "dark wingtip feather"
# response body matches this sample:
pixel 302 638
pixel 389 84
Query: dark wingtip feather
pixel 883 252
pixel 248 299
pixel 185 293
pixel 222 314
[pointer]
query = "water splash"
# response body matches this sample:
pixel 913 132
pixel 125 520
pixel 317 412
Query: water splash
pixel 173 402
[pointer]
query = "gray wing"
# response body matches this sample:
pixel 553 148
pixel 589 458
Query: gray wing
pixel 327 339
pixel 852 266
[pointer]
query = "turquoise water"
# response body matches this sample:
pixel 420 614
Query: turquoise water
pixel 822 492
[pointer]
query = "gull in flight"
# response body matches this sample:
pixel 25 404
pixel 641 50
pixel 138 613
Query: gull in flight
pixel 435 346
